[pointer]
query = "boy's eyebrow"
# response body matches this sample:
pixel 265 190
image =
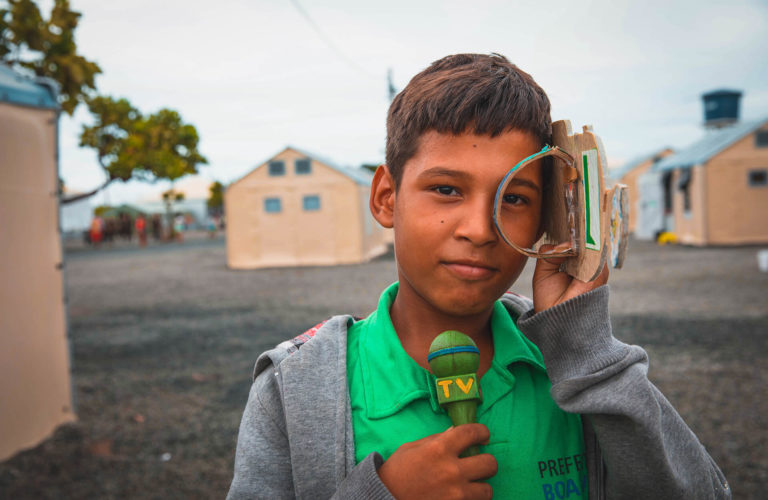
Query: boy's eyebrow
pixel 525 182
pixel 444 172
pixel 458 174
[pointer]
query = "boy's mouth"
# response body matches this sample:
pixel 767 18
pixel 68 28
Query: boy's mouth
pixel 470 269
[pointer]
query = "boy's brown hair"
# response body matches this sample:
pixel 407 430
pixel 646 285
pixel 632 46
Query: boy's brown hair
pixel 484 94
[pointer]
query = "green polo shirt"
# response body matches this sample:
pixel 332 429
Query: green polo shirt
pixel 539 448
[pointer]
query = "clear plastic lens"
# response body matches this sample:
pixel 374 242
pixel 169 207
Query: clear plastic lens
pixel 558 220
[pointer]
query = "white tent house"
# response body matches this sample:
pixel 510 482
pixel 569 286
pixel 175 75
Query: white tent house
pixel 715 191
pixel 298 210
pixel 35 387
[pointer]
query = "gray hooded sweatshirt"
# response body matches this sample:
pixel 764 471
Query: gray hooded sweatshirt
pixel 296 438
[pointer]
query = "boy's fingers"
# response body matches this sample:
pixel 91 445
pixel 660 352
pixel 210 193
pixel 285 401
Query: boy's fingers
pixel 462 437
pixel 602 278
pixel 479 467
pixel 479 491
pixel 548 266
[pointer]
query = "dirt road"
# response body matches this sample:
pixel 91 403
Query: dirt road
pixel 163 342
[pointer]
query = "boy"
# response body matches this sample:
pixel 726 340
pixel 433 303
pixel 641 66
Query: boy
pixel 368 426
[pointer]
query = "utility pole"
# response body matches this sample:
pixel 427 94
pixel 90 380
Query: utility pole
pixel 391 85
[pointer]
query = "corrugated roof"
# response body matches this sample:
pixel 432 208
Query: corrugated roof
pixel 21 90
pixel 713 142
pixel 634 163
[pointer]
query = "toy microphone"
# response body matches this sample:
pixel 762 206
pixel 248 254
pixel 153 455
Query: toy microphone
pixel 454 360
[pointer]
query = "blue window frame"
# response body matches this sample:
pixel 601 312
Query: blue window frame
pixel 758 178
pixel 273 205
pixel 276 167
pixel 761 139
pixel 311 203
pixel 303 166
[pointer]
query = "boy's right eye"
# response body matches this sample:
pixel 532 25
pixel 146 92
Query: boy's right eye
pixel 446 190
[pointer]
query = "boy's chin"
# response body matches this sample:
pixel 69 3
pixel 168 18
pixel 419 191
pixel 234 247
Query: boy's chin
pixel 463 306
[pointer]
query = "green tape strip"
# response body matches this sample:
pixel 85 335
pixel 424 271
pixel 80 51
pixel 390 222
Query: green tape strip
pixel 591 183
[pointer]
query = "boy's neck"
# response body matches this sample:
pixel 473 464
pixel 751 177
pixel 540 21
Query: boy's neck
pixel 417 324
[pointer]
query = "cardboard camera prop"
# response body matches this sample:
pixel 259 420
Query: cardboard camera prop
pixel 582 221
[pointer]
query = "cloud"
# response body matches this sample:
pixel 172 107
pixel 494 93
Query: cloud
pixel 255 76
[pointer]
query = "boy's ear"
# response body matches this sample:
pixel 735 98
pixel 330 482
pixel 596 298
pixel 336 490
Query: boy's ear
pixel 382 202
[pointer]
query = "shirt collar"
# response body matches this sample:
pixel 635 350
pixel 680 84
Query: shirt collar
pixel 392 379
pixel 509 343
pixel 509 347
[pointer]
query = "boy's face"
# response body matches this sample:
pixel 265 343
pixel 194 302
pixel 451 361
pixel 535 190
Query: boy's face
pixel 448 251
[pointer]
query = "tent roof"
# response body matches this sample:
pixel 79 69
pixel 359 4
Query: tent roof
pixel 635 162
pixel 360 176
pixel 124 208
pixel 713 142
pixel 21 90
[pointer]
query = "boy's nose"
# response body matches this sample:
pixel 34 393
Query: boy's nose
pixel 476 223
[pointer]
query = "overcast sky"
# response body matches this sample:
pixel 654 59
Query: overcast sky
pixel 254 76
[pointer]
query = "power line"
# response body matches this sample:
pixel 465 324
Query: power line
pixel 330 43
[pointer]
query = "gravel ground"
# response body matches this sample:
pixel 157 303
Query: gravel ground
pixel 163 341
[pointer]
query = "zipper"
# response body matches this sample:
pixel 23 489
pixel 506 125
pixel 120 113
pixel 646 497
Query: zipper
pixel 595 464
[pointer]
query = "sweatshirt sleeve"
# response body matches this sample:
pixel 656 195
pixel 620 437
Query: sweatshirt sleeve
pixel 262 459
pixel 648 450
pixel 363 481
pixel 263 467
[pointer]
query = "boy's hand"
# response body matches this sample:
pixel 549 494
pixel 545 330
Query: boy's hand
pixel 431 467
pixel 552 286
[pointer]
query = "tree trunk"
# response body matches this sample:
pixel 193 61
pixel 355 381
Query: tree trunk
pixel 78 197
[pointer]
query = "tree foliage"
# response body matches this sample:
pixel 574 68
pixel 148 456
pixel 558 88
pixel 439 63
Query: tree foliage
pixel 101 210
pixel 169 198
pixel 129 144
pixel 47 48
pixel 216 198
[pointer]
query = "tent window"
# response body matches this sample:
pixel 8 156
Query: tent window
pixel 761 139
pixel 758 178
pixel 303 166
pixel 273 205
pixel 311 203
pixel 276 167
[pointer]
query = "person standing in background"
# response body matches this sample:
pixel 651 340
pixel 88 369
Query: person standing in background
pixel 141 230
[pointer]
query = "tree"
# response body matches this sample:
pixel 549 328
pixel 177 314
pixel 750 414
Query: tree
pixel 101 210
pixel 131 145
pixel 169 198
pixel 216 199
pixel 128 144
pixel 47 48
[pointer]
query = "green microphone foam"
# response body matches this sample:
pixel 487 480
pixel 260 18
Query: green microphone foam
pixel 454 360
